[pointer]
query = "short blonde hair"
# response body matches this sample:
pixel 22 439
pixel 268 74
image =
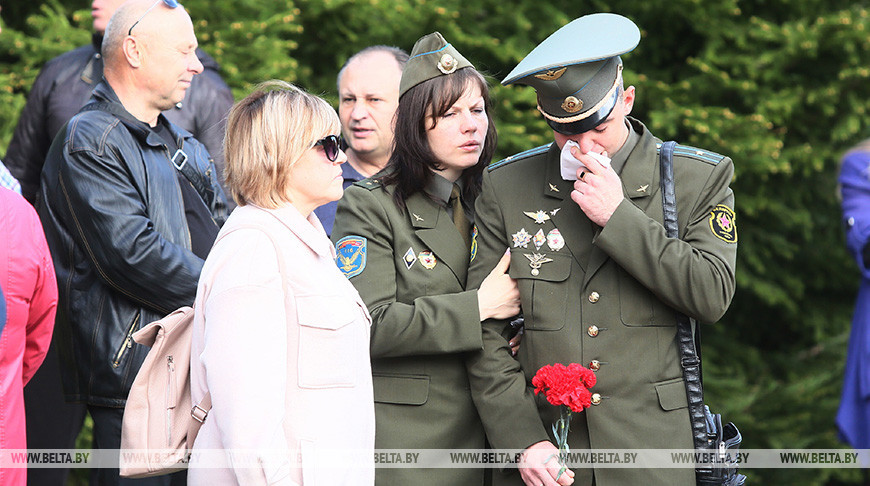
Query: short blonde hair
pixel 267 133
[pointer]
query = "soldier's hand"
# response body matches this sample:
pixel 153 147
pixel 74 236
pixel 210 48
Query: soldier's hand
pixel 598 190
pixel 498 296
pixel 539 466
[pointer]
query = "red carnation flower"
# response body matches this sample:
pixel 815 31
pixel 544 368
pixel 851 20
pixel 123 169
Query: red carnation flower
pixel 565 385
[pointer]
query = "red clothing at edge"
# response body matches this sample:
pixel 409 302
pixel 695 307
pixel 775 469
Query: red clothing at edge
pixel 30 291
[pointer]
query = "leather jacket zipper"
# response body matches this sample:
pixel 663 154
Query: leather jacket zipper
pixel 127 344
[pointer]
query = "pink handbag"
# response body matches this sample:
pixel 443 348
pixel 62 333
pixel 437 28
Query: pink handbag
pixel 160 423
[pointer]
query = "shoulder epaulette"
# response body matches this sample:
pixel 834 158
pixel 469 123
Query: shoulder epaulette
pixel 519 156
pixel 696 153
pixel 369 184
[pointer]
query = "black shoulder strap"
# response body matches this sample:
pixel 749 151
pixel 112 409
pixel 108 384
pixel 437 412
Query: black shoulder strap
pixel 179 159
pixel 689 359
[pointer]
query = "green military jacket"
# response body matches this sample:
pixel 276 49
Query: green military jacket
pixel 606 295
pixel 410 268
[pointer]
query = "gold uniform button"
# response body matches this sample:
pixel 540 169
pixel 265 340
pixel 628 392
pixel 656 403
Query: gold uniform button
pixel 596 398
pixel 592 331
pixel 594 296
pixel 595 365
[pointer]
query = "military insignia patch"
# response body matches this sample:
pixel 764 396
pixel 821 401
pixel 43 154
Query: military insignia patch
pixel 540 216
pixel 536 260
pixel 555 240
pixel 447 64
pixel 521 238
pixel 351 253
pixel 572 104
pixel 539 239
pixel 551 74
pixel 427 259
pixel 723 223
pixel 409 258
pixel 473 243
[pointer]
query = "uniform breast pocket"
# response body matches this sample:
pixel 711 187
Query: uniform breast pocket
pixel 544 287
pixel 332 341
pixel 640 307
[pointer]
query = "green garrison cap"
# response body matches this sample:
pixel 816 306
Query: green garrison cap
pixel 431 57
pixel 577 70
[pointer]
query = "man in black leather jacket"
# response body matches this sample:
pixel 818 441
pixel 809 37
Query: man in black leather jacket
pixel 131 205
pixel 65 84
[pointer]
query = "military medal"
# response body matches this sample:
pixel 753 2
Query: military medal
pixel 521 238
pixel 539 216
pixel 539 239
pixel 427 259
pixel 536 260
pixel 409 258
pixel 555 240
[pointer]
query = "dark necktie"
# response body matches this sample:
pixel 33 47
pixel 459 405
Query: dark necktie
pixel 459 217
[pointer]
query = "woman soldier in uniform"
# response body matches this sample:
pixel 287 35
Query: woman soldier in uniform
pixel 405 241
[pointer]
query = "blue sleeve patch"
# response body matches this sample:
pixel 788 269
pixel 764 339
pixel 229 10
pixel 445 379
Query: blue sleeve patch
pixel 351 253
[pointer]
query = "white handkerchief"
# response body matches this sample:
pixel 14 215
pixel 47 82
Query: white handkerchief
pixel 568 164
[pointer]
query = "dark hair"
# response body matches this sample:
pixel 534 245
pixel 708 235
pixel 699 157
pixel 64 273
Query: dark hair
pixel 412 161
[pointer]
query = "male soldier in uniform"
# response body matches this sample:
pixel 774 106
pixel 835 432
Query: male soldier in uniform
pixel 599 280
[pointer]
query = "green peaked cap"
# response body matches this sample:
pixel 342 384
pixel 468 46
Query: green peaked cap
pixel 431 57
pixel 576 70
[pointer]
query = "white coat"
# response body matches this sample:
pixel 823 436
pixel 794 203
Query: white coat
pixel 288 368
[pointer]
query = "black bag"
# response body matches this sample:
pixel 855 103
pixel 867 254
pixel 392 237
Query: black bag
pixel 719 443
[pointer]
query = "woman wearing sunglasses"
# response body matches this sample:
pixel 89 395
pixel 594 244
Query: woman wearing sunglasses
pixel 405 240
pixel 281 338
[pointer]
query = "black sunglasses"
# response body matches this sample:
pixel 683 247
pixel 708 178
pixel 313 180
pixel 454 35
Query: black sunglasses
pixel 331 146
pixel 168 3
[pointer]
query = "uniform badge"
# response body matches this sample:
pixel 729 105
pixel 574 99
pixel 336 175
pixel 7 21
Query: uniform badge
pixel 473 243
pixel 409 258
pixel 572 104
pixel 539 216
pixel 723 223
pixel 555 240
pixel 427 259
pixel 447 64
pixel 521 238
pixel 551 74
pixel 536 260
pixel 553 212
pixel 539 239
pixel 351 253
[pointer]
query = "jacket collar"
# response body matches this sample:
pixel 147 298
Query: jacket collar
pixel 140 130
pixel 308 230
pixel 437 231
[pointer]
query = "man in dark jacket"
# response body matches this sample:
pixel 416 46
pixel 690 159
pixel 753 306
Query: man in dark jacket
pixel 65 84
pixel 131 206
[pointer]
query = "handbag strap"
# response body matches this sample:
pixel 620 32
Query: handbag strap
pixel 689 360
pixel 179 160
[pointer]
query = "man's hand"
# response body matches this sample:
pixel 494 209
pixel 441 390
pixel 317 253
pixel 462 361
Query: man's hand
pixel 598 191
pixel 539 466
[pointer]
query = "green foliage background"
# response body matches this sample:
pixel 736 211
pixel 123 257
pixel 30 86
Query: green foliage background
pixel 779 85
